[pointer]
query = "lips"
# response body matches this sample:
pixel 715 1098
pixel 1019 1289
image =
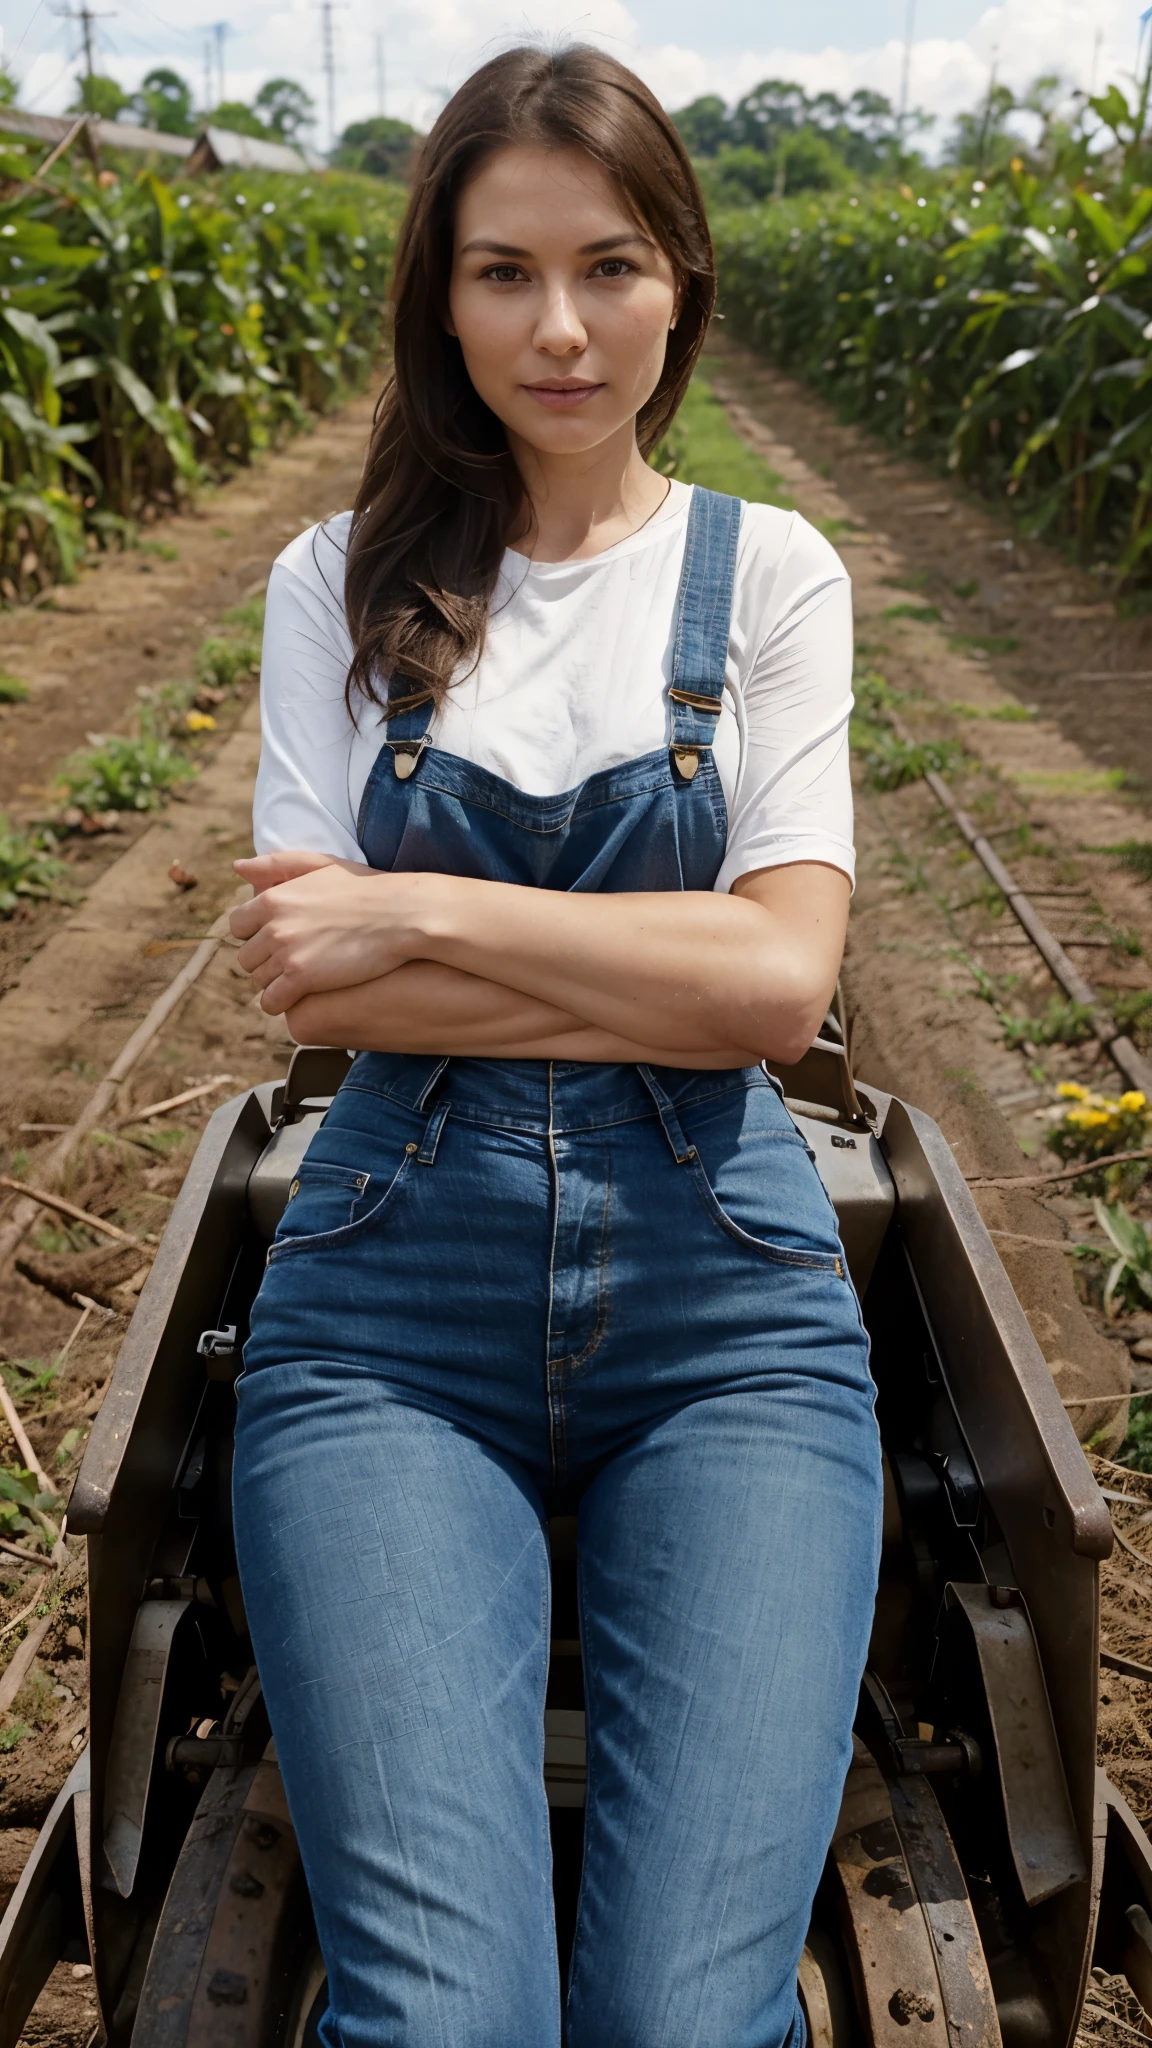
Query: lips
pixel 562 394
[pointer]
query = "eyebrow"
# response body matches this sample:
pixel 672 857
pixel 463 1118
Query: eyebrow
pixel 589 248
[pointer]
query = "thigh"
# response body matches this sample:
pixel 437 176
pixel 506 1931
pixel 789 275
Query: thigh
pixel 395 1575
pixel 728 1566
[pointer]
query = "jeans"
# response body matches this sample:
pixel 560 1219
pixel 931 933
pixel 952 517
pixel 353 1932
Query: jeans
pixel 506 1290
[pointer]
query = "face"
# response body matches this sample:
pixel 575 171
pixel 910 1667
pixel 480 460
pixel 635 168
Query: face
pixel 560 300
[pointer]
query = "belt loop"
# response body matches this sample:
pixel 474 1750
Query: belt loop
pixel 682 1151
pixel 430 1083
pixel 426 1152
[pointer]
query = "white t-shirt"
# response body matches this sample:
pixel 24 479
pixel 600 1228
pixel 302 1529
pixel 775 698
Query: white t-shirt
pixel 574 678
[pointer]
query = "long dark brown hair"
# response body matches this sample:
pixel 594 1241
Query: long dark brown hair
pixel 441 491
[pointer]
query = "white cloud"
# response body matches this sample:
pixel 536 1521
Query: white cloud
pixel 430 49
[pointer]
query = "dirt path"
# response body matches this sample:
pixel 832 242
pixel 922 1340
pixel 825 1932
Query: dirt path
pixel 928 938
pixel 135 619
pixel 1084 666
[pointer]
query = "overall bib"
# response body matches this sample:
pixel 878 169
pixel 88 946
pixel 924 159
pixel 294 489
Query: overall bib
pixel 510 1288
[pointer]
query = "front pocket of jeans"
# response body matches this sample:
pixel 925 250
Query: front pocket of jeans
pixel 336 1203
pixel 779 1254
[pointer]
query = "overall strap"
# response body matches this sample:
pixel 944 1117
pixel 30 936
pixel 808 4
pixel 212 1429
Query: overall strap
pixel 703 618
pixel 410 707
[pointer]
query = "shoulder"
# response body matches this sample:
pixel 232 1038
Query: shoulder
pixel 776 544
pixel 314 562
pixel 307 646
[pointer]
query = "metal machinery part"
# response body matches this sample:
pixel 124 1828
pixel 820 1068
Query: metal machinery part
pixel 980 1862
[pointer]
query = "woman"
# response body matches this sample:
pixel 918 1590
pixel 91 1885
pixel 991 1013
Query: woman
pixel 554 826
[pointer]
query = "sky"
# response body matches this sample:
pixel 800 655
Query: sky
pixel 409 58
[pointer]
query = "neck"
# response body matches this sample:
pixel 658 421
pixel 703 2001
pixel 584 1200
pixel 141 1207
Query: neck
pixel 579 505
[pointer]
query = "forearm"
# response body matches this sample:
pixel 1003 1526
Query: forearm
pixel 424 1007
pixel 697 970
pixel 697 973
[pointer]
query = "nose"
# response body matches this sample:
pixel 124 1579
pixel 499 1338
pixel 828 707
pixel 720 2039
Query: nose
pixel 559 329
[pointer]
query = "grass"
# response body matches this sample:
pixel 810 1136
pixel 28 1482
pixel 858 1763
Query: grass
pixel 1004 714
pixel 1133 854
pixel 704 448
pixel 1063 1023
pixel 13 689
pixel 1132 1009
pixel 249 615
pixel 925 614
pixel 983 643
pixel 221 662
pixel 1071 782
pixel 1136 1449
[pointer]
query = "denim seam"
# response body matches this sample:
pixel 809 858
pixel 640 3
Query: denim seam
pixel 463 1112
pixel 572 1361
pixel 586 1665
pixel 781 1255
pixel 555 1170
pixel 325 1240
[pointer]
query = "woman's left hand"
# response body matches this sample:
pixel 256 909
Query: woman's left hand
pixel 328 925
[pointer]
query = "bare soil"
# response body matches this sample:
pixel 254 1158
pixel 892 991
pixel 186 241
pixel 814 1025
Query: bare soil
pixel 1079 661
pixel 136 619
pixel 81 977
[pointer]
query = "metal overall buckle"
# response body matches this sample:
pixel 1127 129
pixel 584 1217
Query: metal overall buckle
pixel 406 755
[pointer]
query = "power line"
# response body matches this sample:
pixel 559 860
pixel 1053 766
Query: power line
pixel 906 65
pixel 24 37
pixel 221 30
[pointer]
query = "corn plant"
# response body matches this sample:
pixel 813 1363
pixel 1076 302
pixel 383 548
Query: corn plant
pixel 1002 325
pixel 153 334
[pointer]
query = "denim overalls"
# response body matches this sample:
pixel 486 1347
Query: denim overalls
pixel 510 1288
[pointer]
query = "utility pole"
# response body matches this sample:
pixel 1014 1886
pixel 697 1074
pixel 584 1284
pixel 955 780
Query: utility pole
pixel 220 30
pixel 380 75
pixel 85 16
pixel 906 67
pixel 329 64
pixel 207 74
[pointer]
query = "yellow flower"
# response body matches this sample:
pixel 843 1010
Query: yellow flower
pixel 155 272
pixel 200 721
pixel 1088 1119
pixel 1072 1091
pixel 254 309
pixel 1017 164
pixel 1133 1099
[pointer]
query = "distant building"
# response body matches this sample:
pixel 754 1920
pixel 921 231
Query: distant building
pixel 224 149
pixel 214 149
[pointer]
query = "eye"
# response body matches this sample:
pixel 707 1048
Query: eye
pixel 613 266
pixel 503 273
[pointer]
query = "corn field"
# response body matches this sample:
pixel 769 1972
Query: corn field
pixel 1002 324
pixel 154 335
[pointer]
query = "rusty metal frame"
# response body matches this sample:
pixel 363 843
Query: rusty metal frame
pixel 1046 1849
